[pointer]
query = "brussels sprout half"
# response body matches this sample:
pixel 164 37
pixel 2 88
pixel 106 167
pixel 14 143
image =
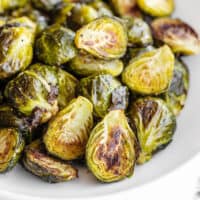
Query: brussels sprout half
pixel 178 90
pixel 6 5
pixel 157 8
pixel 87 65
pixel 11 146
pixel 104 38
pixel 151 72
pixel 155 124
pixel 16 46
pixel 100 90
pixel 177 34
pixel 110 152
pixel 68 132
pixel 38 162
pixel 55 46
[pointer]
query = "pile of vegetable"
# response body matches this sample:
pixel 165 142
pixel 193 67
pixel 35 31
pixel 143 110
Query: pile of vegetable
pixel 101 82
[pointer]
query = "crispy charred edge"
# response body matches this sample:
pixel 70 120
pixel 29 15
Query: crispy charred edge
pixel 174 25
pixel 31 167
pixel 17 152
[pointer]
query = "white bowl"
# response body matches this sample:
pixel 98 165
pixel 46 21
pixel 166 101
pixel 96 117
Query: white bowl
pixel 19 184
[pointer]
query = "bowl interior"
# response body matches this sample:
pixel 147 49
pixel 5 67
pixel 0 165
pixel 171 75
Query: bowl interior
pixel 185 144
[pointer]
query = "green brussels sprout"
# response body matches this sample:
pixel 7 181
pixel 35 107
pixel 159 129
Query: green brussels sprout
pixel 155 125
pixel 34 92
pixel 102 8
pixel 11 146
pixel 151 72
pixel 100 90
pixel 46 5
pixel 104 38
pixel 177 34
pixel 16 46
pixel 157 8
pixel 83 14
pixel 67 88
pixel 139 33
pixel 178 90
pixel 38 162
pixel 110 152
pixel 6 5
pixel 55 45
pixel 86 65
pixel 67 133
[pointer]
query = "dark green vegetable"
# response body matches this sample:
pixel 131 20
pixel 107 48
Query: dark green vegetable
pixel 38 162
pixel 11 147
pixel 155 125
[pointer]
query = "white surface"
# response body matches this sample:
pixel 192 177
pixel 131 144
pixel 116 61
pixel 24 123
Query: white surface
pixel 186 144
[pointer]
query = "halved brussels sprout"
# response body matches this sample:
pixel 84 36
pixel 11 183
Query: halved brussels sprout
pixel 100 90
pixel 67 88
pixel 11 4
pixel 68 132
pixel 157 8
pixel 55 46
pixel 123 7
pixel 110 152
pixel 178 90
pixel 46 5
pixel 16 46
pixel 151 72
pixel 86 65
pixel 104 38
pixel 139 33
pixel 177 34
pixel 34 92
pixel 155 125
pixel 38 162
pixel 11 146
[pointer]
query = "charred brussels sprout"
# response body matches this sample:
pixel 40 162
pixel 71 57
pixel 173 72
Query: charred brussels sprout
pixel 34 92
pixel 155 125
pixel 6 5
pixel 178 90
pixel 139 33
pixel 16 46
pixel 11 146
pixel 38 162
pixel 100 90
pixel 110 152
pixel 68 132
pixel 177 34
pixel 55 45
pixel 104 38
pixel 151 72
pixel 86 65
pixel 157 8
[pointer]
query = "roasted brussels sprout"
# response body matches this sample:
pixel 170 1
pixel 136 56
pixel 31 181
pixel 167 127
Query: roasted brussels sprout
pixel 177 34
pixel 104 38
pixel 46 5
pixel 151 72
pixel 34 92
pixel 6 5
pixel 110 152
pixel 16 46
pixel 11 146
pixel 178 90
pixel 55 45
pixel 50 169
pixel 86 65
pixel 100 90
pixel 155 125
pixel 157 8
pixel 68 132
pixel 139 33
